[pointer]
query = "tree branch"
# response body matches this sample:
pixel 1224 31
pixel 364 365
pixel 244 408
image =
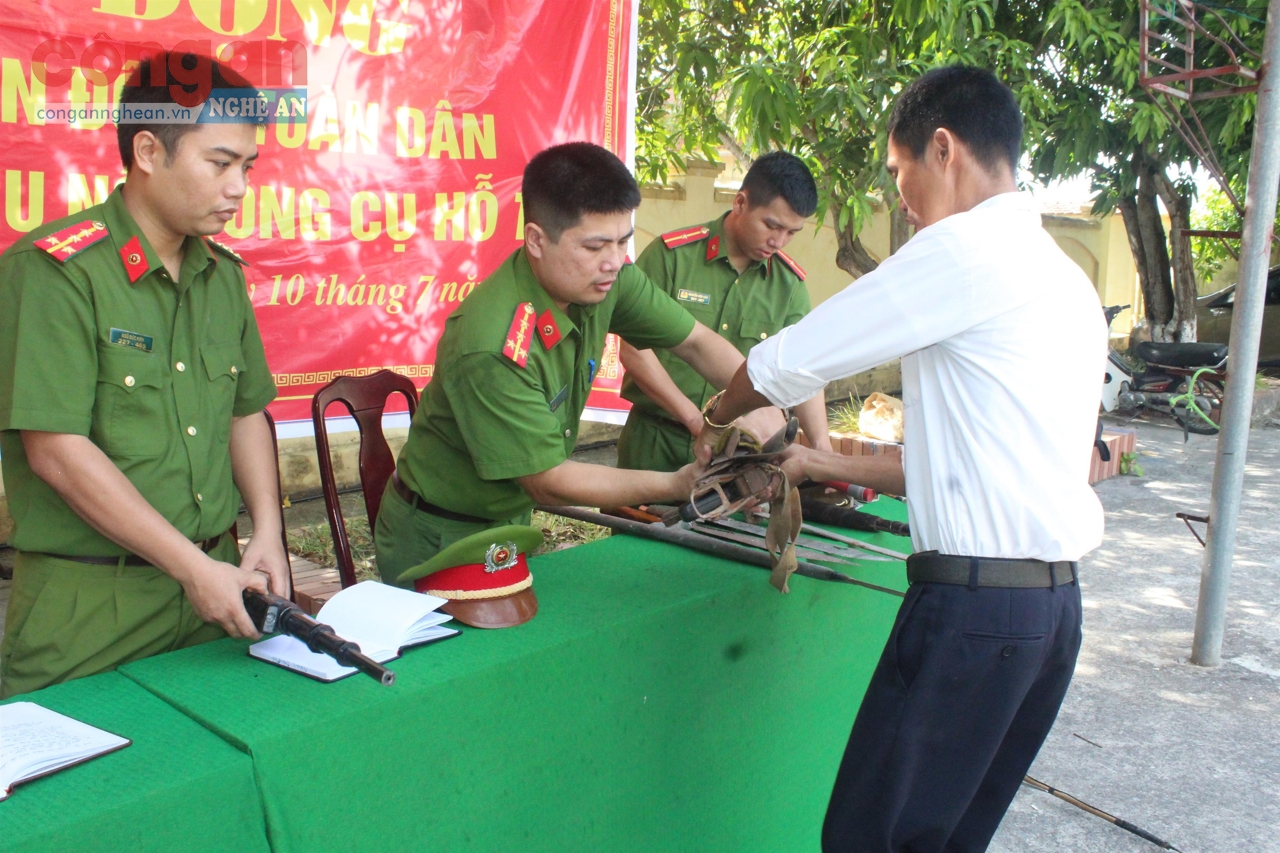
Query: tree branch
pixel 736 150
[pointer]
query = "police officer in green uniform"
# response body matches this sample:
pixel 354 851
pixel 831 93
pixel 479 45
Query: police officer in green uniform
pixel 132 388
pixel 733 276
pixel 495 429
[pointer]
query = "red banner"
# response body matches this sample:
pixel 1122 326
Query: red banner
pixel 368 221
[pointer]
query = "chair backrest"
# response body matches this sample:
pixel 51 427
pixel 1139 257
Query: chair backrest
pixel 284 536
pixel 365 397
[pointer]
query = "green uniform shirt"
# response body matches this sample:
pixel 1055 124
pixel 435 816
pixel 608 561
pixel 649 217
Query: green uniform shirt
pixel 151 370
pixel 743 308
pixel 484 420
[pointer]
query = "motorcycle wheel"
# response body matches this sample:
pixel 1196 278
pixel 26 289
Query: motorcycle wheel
pixel 1213 390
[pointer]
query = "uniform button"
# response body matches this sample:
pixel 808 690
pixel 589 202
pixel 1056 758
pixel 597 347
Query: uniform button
pixel 199 496
pixel 763 336
pixel 180 366
pixel 191 430
pixel 724 326
pixel 1008 650
pixel 129 380
pixel 234 370
pixel 567 433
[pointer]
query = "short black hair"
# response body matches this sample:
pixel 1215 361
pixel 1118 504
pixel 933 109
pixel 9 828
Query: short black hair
pixel 779 173
pixel 566 181
pixel 970 102
pixel 196 74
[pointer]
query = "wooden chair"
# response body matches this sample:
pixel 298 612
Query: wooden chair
pixel 365 397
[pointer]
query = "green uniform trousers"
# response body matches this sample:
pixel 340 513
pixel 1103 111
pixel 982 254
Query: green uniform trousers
pixel 404 537
pixel 653 443
pixel 67 619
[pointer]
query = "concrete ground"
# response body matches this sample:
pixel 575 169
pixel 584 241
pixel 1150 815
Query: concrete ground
pixel 1187 753
pixel 1190 754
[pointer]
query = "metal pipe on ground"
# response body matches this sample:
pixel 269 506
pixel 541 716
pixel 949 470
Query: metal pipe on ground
pixel 1246 328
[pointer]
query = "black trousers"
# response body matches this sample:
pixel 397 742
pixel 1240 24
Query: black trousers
pixel 966 690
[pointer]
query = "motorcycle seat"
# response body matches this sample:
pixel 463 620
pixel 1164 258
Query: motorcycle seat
pixel 1181 355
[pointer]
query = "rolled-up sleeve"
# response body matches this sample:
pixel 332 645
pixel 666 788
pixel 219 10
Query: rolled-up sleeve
pixel 646 316
pixel 784 387
pixel 256 387
pixel 503 416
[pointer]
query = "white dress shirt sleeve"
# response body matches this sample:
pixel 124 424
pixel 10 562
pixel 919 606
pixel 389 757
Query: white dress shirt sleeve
pixel 923 294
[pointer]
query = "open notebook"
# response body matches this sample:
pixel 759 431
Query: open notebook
pixel 35 742
pixel 383 620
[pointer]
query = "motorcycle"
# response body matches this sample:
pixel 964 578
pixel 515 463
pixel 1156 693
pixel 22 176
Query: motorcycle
pixel 1182 380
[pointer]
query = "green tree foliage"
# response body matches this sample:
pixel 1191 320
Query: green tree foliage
pixel 1102 123
pixel 819 78
pixel 1215 213
pixel 816 77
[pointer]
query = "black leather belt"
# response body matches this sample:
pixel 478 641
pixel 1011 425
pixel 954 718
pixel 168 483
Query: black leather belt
pixel 205 545
pixel 416 501
pixel 975 572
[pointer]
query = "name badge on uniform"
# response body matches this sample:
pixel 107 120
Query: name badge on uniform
pixel 559 398
pixel 132 340
pixel 694 296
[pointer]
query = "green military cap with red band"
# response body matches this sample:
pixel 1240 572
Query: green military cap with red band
pixel 485 577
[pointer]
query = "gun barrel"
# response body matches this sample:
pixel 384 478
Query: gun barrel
pixel 272 613
pixel 321 638
pixel 372 668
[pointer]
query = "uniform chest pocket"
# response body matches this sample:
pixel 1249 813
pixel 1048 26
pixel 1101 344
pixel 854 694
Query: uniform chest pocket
pixel 753 330
pixel 223 364
pixel 699 305
pixel 131 410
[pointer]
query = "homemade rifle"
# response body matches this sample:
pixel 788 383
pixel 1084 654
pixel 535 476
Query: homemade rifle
pixel 850 518
pixel 271 614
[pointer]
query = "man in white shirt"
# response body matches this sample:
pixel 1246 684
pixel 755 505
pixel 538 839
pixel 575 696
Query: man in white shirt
pixel 1003 347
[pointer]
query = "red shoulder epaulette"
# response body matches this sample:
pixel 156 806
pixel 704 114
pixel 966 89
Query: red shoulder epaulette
pixel 72 239
pixel 517 344
pixel 792 265
pixel 684 236
pixel 214 244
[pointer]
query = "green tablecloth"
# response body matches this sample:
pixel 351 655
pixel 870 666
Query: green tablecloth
pixel 661 701
pixel 177 787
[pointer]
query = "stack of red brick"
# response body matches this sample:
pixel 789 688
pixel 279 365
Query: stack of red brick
pixel 1119 441
pixel 859 446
